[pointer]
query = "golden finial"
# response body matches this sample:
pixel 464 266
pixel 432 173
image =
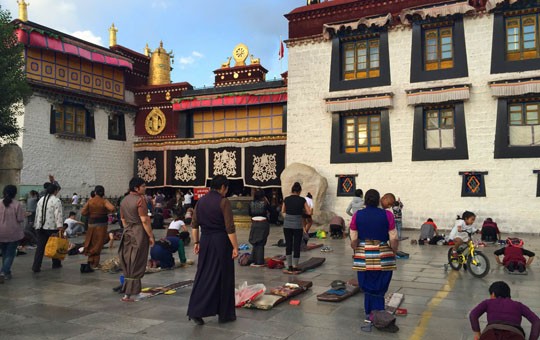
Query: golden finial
pixel 147 50
pixel 23 10
pixel 112 35
pixel 160 66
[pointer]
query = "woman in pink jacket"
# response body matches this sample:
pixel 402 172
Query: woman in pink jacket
pixel 11 229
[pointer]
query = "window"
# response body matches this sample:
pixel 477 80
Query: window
pixel 117 130
pixel 346 185
pixel 439 132
pixel 515 39
pixel 70 119
pixel 517 133
pixel 438 49
pixel 360 137
pixel 362 133
pixel 524 125
pixel 473 184
pixel 361 59
pixel 439 128
pixel 521 37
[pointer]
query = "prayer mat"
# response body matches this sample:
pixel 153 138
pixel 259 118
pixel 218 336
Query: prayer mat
pixel 149 292
pixel 351 288
pixel 393 301
pixel 279 294
pixel 311 246
pixel 313 262
pixel 177 265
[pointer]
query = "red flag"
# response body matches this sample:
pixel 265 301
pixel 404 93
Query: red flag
pixel 281 49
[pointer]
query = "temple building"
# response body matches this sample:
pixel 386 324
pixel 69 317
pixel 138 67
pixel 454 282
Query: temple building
pixel 435 101
pixel 78 124
pixel 101 115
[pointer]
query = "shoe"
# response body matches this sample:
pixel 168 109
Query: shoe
pixel 126 298
pixel 56 266
pixel 256 265
pixel 1 279
pixel 86 268
pixel 7 276
pixel 198 321
pixel 36 270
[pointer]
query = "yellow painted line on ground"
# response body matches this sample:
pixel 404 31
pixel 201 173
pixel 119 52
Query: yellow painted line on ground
pixel 420 330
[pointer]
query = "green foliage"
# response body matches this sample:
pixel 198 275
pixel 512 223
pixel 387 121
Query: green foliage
pixel 14 89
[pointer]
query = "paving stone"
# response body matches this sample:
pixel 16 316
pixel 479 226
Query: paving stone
pixel 116 322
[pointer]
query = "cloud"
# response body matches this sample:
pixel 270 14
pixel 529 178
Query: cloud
pixel 186 60
pixel 88 36
pixel 197 54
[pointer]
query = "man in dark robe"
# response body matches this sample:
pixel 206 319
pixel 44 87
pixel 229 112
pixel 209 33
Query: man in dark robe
pixel 137 237
pixel 213 289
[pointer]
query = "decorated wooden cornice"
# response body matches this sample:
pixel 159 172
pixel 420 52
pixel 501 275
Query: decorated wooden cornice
pixel 308 21
pixel 240 73
pixel 172 143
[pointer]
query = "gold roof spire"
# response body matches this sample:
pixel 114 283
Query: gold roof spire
pixel 23 10
pixel 160 66
pixel 112 35
pixel 147 50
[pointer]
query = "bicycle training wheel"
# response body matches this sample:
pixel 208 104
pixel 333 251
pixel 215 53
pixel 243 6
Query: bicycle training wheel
pixel 453 261
pixel 478 264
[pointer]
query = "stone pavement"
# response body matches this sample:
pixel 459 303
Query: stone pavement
pixel 63 304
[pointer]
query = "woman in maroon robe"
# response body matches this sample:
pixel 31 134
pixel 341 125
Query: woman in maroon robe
pixel 213 289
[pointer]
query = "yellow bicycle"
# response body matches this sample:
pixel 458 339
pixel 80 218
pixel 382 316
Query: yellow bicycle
pixel 470 259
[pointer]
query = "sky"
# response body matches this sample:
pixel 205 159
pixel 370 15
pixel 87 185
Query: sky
pixel 201 34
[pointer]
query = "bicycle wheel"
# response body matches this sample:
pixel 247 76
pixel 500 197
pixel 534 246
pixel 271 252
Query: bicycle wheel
pixel 478 264
pixel 453 261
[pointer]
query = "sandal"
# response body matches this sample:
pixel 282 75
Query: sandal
pixel 127 299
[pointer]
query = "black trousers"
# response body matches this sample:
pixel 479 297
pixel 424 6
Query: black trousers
pixel 293 240
pixel 512 266
pixel 42 238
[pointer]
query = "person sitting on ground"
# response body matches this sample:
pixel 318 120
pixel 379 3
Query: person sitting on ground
pixel 428 230
pixel 357 202
pixel 490 232
pixel 161 254
pixel 337 226
pixel 73 227
pixel 188 216
pixel 503 316
pixel 514 255
pixel 459 234
pixel 114 235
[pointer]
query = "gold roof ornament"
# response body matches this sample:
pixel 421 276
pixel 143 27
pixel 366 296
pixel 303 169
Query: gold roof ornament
pixel 160 66
pixel 155 122
pixel 147 50
pixel 23 10
pixel 240 54
pixel 254 60
pixel 112 35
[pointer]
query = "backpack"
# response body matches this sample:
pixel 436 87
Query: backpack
pixel 384 321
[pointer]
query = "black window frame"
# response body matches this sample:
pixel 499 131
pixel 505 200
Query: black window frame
pixel 337 83
pixel 460 150
pixel 503 149
pixel 499 64
pixel 121 135
pixel 90 130
pixel 460 68
pixel 337 154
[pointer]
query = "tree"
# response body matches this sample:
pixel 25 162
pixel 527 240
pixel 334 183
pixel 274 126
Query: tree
pixel 14 89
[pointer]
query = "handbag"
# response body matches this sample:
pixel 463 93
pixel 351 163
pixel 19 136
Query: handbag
pixel 57 247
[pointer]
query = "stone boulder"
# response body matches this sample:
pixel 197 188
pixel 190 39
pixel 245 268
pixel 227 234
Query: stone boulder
pixel 312 182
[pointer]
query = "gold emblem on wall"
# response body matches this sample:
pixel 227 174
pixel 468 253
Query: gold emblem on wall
pixel 168 96
pixel 155 122
pixel 148 98
pixel 240 54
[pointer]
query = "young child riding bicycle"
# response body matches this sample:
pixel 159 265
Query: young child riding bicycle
pixel 460 232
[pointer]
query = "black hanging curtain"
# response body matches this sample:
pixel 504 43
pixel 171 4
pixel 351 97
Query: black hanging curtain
pixel 264 165
pixel 149 166
pixel 186 168
pixel 225 161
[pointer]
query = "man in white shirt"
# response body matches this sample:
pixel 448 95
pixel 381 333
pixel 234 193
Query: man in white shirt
pixel 49 221
pixel 74 227
pixel 188 197
pixel 75 199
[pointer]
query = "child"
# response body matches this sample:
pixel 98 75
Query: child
pixel 178 228
pixel 396 209
pixel 459 233
pixel 428 230
pixel 337 225
pixel 514 255
pixel 189 216
pixel 490 232
pixel 503 316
